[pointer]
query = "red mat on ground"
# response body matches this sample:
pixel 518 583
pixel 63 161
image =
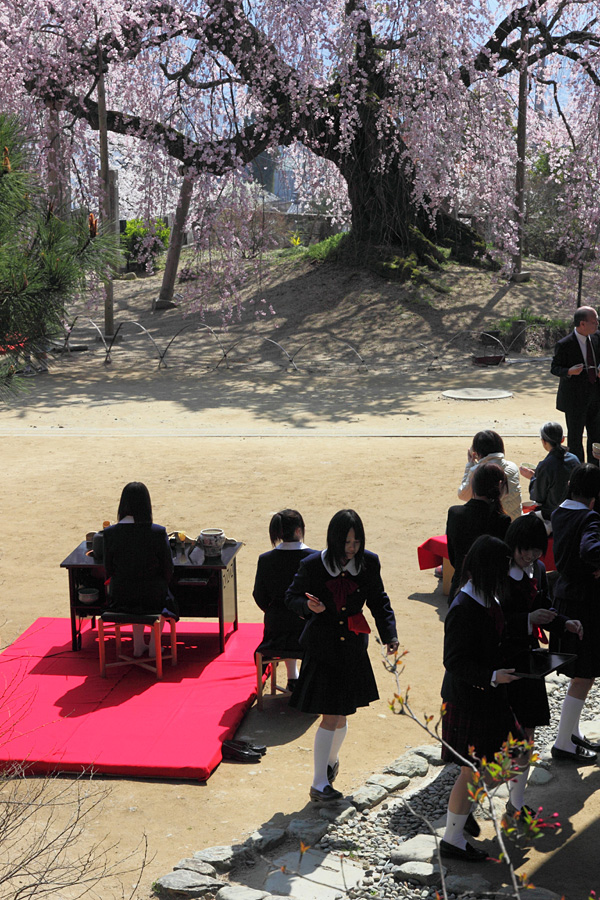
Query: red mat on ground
pixel 59 715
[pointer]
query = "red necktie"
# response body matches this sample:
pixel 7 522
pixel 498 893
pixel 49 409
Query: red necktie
pixel 591 362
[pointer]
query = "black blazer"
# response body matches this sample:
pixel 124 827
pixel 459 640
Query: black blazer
pixel 549 485
pixel 326 635
pixel 275 571
pixel 138 561
pixel 472 653
pixel 517 603
pixel 574 392
pixel 576 548
pixel 464 524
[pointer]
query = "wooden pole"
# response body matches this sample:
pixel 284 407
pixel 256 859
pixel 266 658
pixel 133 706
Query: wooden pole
pixel 106 213
pixel 521 146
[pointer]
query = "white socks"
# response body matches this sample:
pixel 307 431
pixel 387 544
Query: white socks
pixel 321 754
pixel 292 669
pixel 338 739
pixel 454 830
pixel 139 644
pixel 152 644
pixel 569 723
pixel 516 788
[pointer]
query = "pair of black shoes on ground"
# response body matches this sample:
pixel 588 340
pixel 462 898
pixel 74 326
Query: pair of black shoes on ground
pixel 242 751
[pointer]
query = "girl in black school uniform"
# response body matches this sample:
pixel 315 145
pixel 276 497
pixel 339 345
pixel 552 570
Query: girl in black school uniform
pixel 274 574
pixel 576 530
pixel 138 562
pixel 330 590
pixel 482 514
pixel 527 608
pixel 477 712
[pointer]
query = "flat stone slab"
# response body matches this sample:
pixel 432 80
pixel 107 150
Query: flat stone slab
pixel 391 783
pixel 335 815
pixel 184 883
pixel 314 876
pixel 368 796
pixel 219 857
pixel 431 752
pixel 419 872
pixel 239 892
pixel 411 765
pixel 477 393
pixel 310 831
pixel 535 893
pixel 264 839
pixel 197 866
pixel 420 848
pixel 469 884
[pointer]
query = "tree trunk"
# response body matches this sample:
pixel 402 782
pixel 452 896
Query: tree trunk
pixel 165 298
pixel 383 215
pixel 380 190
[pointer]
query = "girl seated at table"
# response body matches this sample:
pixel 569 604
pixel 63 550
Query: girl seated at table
pixel 275 572
pixel 138 562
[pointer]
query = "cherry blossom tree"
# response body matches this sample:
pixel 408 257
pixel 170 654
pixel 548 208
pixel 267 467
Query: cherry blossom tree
pixel 406 109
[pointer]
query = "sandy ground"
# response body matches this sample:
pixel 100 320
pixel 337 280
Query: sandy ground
pixel 228 448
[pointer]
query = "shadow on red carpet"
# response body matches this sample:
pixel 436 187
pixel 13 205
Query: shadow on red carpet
pixel 59 715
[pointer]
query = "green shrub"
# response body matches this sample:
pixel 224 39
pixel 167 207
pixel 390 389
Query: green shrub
pixel 530 318
pixel 143 242
pixel 329 249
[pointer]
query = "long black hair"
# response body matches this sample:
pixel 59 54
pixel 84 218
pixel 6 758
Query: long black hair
pixel 284 524
pixel 337 532
pixel 486 567
pixel 135 501
pixel 490 481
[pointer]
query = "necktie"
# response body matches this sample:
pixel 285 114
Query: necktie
pixel 591 362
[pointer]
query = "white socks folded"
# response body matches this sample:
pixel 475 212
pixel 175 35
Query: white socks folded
pixel 326 750
pixel 569 723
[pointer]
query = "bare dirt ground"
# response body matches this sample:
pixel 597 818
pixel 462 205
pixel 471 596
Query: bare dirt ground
pixel 227 447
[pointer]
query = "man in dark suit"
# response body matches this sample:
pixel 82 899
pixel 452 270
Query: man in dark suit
pixel 575 362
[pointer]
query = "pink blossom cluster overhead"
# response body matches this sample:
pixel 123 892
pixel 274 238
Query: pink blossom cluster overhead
pixel 390 110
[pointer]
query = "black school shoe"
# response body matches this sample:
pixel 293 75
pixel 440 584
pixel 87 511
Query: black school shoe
pixel 581 756
pixel 327 795
pixel 469 854
pixel 250 745
pixel 585 743
pixel 240 751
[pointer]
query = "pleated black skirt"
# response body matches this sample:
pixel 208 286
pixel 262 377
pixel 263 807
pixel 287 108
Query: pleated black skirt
pixel 334 688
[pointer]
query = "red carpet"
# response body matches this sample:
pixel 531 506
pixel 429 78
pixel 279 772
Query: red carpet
pixel 59 715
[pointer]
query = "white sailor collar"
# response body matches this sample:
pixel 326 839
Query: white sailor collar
pixel 517 573
pixel 573 504
pixel 291 545
pixel 470 590
pixel 334 572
